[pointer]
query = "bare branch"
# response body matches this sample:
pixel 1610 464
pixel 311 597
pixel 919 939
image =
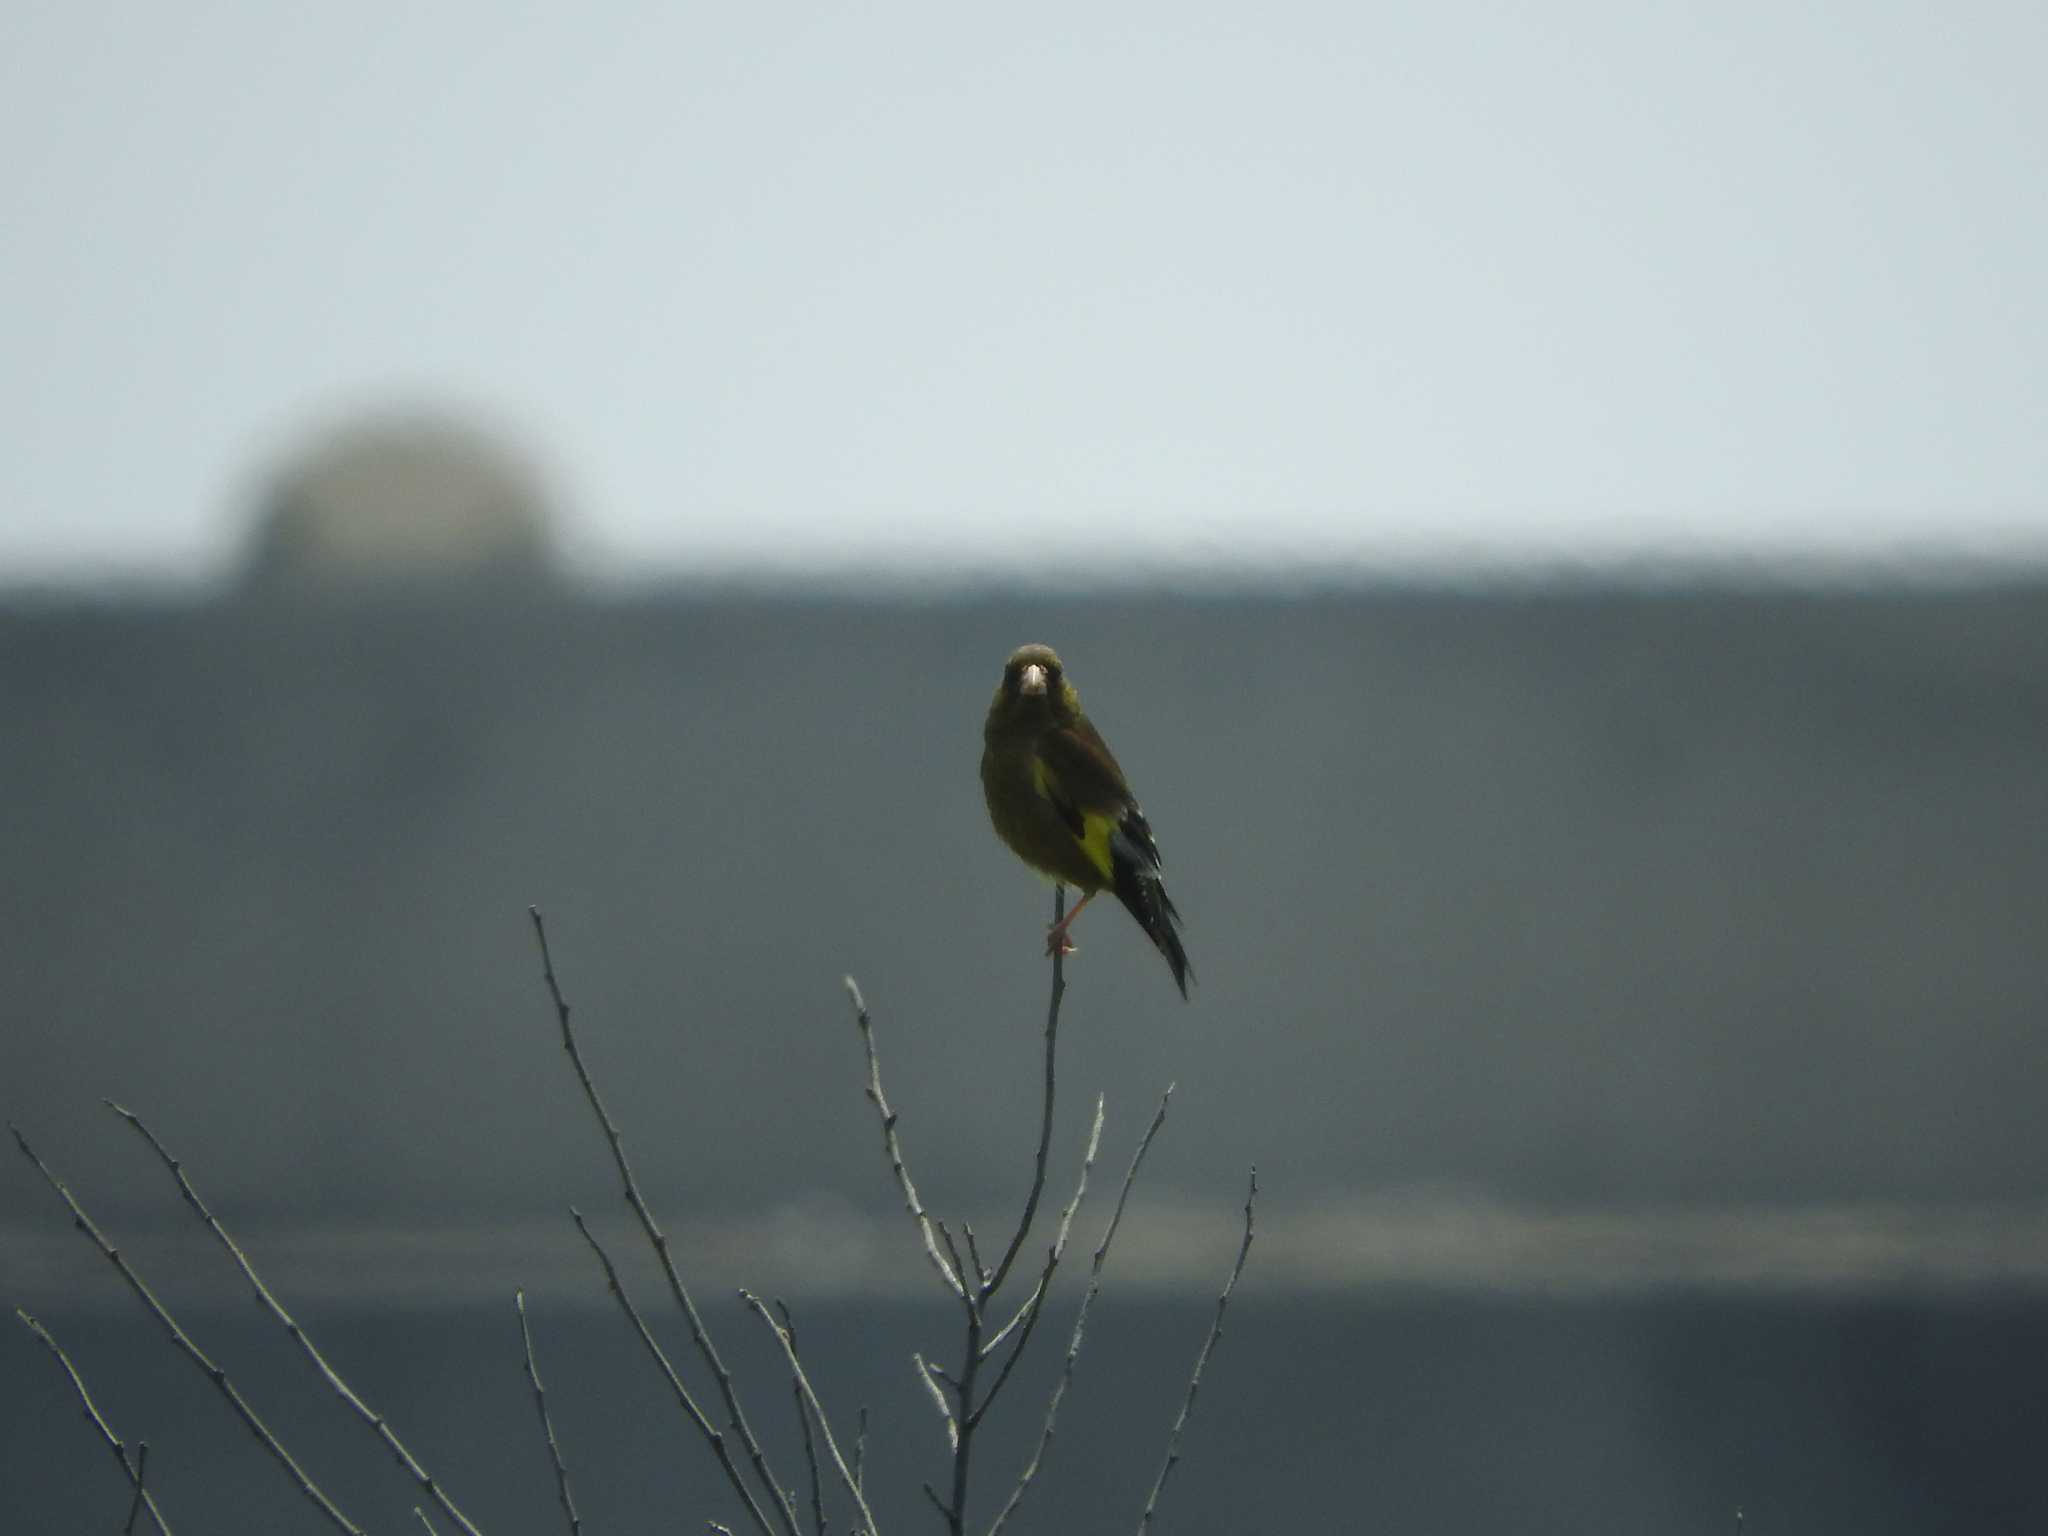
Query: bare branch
pixel 141 1477
pixel 98 1421
pixel 1081 1317
pixel 422 1516
pixel 894 1147
pixel 1034 1304
pixel 817 1411
pixel 952 1252
pixel 1052 1031
pixel 925 1374
pixel 192 1351
pixel 981 1270
pixel 737 1418
pixel 860 1449
pixel 803 1418
pixel 963 1416
pixel 547 1425
pixel 341 1389
pixel 689 1404
pixel 945 1513
pixel 1059 1244
pixel 1187 1407
pixel 1024 1310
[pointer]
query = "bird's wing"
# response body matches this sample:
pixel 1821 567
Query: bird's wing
pixel 1075 771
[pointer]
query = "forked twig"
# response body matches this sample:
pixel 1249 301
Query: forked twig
pixel 1081 1318
pixel 1187 1406
pixel 697 1417
pixel 141 1477
pixel 547 1424
pixel 192 1351
pixel 778 1496
pixel 972 1282
pixel 817 1412
pixel 376 1422
pixel 98 1421
pixel 1034 1304
pixel 803 1418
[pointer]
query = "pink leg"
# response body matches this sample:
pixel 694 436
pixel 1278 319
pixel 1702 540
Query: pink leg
pixel 1056 941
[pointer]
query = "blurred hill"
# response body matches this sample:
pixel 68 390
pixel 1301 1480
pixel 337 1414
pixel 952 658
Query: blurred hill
pixel 421 499
pixel 1564 897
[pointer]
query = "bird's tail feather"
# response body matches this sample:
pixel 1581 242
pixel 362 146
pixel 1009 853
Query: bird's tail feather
pixel 1144 896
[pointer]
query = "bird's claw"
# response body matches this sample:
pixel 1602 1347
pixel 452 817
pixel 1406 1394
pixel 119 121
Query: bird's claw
pixel 1057 943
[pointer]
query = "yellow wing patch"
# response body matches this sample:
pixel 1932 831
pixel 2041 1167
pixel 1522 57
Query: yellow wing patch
pixel 1096 826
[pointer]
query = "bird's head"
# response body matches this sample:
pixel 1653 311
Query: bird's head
pixel 1034 690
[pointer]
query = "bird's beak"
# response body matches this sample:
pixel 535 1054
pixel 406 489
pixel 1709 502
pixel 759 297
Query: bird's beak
pixel 1032 684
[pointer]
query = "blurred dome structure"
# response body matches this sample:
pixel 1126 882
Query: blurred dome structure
pixel 403 501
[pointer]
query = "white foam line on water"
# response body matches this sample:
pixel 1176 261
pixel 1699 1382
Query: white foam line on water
pixel 1456 1243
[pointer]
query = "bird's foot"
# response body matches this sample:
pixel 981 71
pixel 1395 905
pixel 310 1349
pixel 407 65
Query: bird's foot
pixel 1056 940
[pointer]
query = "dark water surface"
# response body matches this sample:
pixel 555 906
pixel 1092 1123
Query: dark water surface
pixel 1382 1413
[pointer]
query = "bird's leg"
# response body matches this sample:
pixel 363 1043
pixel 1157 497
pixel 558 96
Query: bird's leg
pixel 1056 941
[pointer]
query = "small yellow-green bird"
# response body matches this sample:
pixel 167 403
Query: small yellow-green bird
pixel 1058 798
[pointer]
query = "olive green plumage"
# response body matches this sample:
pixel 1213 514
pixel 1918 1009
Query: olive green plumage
pixel 1058 798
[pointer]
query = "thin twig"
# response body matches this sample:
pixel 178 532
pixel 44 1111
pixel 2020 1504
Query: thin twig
pixel 894 1147
pixel 817 1411
pixel 803 1418
pixel 981 1271
pixel 963 1411
pixel 938 1503
pixel 192 1351
pixel 1059 1243
pixel 547 1425
pixel 696 1414
pixel 967 1413
pixel 1035 1304
pixel 98 1421
pixel 422 1514
pixel 924 1374
pixel 952 1248
pixel 1024 1310
pixel 860 1449
pixel 1081 1317
pixel 141 1477
pixel 1187 1407
pixel 737 1418
pixel 341 1389
pixel 1052 1030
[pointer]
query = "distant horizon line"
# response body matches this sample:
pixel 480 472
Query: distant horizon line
pixel 1929 567
pixel 1417 1241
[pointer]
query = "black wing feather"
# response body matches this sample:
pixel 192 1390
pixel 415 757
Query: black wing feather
pixel 1136 879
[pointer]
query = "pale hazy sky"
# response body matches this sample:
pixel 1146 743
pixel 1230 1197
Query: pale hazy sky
pixel 987 285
